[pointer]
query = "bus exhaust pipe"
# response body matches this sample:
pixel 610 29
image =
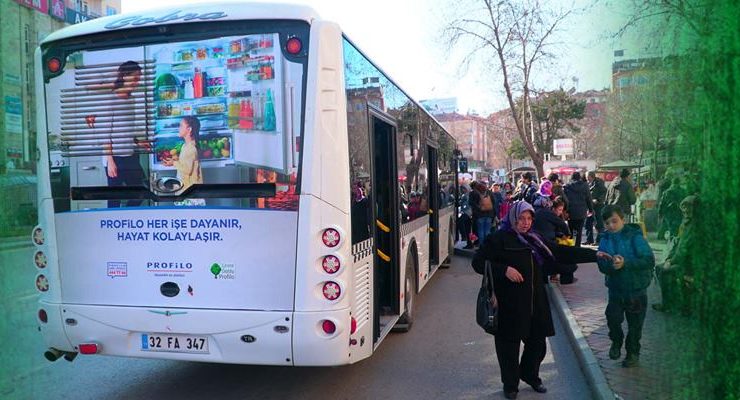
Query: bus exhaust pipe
pixel 53 354
pixel 70 356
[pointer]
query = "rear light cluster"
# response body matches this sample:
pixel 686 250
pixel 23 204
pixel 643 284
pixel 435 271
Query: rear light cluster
pixel 331 263
pixel 39 259
pixel 328 326
pixel 89 348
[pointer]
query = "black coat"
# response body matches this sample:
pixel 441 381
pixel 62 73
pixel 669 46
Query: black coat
pixel 620 193
pixel 549 225
pixel 524 309
pixel 598 192
pixel 579 199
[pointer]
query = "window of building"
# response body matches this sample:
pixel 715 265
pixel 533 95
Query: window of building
pixel 110 11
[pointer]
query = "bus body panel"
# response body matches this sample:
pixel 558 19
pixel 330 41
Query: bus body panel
pixel 313 347
pixel 118 331
pixel 363 297
pixel 135 251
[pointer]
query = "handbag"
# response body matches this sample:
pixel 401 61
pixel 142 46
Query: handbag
pixel 486 313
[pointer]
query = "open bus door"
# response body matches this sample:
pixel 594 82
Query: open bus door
pixel 433 178
pixel 387 225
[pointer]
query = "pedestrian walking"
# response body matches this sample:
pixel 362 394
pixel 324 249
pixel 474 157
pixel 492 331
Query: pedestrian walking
pixel 626 259
pixel 518 257
pixel 597 188
pixel 482 203
pixel 465 219
pixel 621 194
pixel 579 205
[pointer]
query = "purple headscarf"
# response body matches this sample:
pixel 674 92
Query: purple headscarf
pixel 533 241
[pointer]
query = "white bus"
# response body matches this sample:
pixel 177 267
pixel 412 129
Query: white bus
pixel 231 183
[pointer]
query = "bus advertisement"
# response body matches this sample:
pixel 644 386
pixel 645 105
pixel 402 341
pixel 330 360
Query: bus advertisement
pixel 223 183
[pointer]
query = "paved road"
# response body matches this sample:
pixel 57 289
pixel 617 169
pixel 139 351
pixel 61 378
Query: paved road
pixel 445 356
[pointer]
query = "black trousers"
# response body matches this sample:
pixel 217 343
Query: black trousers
pixel 526 369
pixel 130 173
pixel 634 309
pixel 671 286
pixel 576 229
pixel 595 218
pixel 464 226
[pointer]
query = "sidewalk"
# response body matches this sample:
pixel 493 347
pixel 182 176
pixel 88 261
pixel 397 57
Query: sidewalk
pixel 12 243
pixel 659 372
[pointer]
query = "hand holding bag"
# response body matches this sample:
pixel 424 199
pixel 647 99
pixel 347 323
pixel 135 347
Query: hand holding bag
pixel 486 313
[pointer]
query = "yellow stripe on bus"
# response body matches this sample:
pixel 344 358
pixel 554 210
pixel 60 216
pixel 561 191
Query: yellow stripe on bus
pixel 382 227
pixel 383 256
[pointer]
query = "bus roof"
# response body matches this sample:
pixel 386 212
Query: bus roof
pixel 213 11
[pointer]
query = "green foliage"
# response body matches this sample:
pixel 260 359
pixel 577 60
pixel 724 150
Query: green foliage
pixel 554 114
pixel 516 150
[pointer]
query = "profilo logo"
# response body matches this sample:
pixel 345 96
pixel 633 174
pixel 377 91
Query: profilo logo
pixel 139 20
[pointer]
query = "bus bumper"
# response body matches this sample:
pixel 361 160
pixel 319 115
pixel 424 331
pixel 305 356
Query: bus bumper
pixel 234 336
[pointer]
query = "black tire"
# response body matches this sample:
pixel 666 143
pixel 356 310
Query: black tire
pixel 409 296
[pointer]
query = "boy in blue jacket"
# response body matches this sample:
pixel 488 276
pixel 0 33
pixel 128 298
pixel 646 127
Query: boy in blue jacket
pixel 627 260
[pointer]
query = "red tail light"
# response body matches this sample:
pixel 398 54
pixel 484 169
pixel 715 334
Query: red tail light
pixel 353 326
pixel 88 348
pixel 294 45
pixel 43 317
pixel 331 237
pixel 54 65
pixel 331 290
pixel 328 327
pixel 331 264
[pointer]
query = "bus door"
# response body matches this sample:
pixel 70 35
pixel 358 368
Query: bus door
pixel 434 193
pixel 385 202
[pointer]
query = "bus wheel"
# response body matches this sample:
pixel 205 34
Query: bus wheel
pixel 409 295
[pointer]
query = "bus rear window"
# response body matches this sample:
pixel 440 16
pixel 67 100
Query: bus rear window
pixel 164 119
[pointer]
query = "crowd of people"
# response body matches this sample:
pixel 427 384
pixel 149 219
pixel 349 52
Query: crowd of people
pixel 533 231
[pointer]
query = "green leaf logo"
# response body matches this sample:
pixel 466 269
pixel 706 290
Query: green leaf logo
pixel 215 270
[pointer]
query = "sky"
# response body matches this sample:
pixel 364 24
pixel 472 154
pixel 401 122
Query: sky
pixel 403 37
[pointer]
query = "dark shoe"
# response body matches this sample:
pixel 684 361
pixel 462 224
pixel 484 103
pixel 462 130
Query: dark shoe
pixel 615 351
pixel 539 388
pixel 468 246
pixel 510 395
pixel 574 280
pixel 588 243
pixel 632 360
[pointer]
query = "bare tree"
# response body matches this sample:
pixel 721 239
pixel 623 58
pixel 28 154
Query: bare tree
pixel 518 36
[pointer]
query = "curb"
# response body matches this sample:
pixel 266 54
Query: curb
pixel 589 365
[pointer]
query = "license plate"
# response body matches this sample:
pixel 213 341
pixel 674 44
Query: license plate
pixel 174 343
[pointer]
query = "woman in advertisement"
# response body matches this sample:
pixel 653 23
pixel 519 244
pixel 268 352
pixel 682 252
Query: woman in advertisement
pixel 188 162
pixel 122 165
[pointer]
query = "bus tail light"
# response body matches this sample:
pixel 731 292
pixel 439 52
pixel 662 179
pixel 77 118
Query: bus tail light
pixel 54 65
pixel 293 46
pixel 328 327
pixel 331 237
pixel 331 264
pixel 353 326
pixel 331 290
pixel 43 317
pixel 89 348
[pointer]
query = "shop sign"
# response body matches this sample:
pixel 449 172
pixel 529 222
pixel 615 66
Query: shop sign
pixel 41 5
pixel 75 17
pixel 562 147
pixel 13 114
pixel 56 9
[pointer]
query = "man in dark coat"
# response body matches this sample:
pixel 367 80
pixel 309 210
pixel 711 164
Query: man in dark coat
pixel 620 193
pixel 597 187
pixel 518 258
pixel 527 190
pixel 579 205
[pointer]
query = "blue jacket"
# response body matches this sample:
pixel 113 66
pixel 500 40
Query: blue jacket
pixel 634 277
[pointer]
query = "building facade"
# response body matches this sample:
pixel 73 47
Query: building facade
pixel 25 24
pixel 473 135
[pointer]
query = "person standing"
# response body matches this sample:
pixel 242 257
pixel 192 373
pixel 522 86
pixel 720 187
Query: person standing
pixel 481 201
pixel 557 188
pixel 621 194
pixel 579 205
pixel 518 258
pixel 527 190
pixel 121 161
pixel 549 224
pixel 669 207
pixel 627 260
pixel 597 187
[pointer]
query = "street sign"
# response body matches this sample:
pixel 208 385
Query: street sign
pixel 462 165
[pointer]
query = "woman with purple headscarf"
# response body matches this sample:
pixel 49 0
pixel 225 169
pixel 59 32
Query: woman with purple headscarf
pixel 519 258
